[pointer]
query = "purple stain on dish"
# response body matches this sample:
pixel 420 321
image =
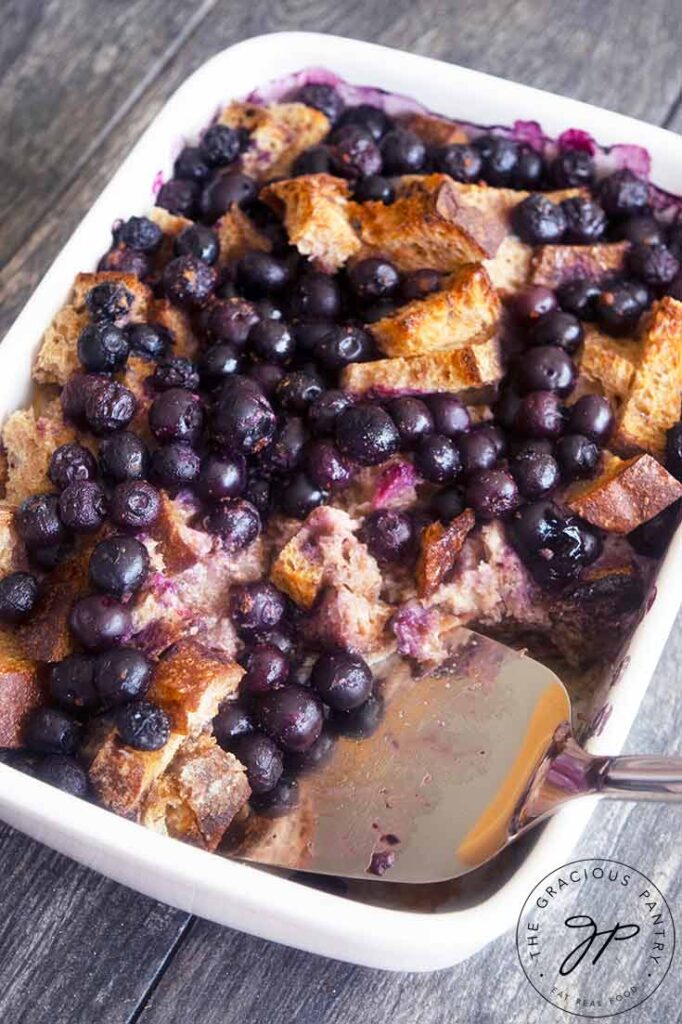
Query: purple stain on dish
pixel 653 594
pixel 381 861
pixel 285 88
pixel 633 158
pixel 531 133
pixel 576 138
pixel 600 719
pixel 157 183
pixel 395 480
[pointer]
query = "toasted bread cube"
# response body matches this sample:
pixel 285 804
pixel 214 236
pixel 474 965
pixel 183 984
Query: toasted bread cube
pixel 189 684
pixel 197 798
pixel 57 358
pixel 278 134
pixel 554 265
pixel 436 131
pixel 46 635
pixel 177 321
pixel 177 544
pixel 468 308
pixel 343 617
pixel 653 403
pixel 169 223
pixel 627 494
pixel 325 552
pixel 29 442
pixel 237 235
pixel 20 690
pixel 12 551
pixel 439 547
pixel 316 216
pixel 470 370
pixel 509 268
pixel 606 366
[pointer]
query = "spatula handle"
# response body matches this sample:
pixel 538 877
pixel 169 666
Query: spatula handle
pixel 641 778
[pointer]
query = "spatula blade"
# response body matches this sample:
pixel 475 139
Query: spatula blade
pixel 431 794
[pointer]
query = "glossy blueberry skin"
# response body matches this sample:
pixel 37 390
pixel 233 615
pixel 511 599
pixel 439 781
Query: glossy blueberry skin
pixel 618 309
pixel 188 281
pixel 70 463
pixel 355 154
pixel 191 165
pixel 317 296
pixel 373 279
pixel 18 596
pixel 578 457
pixel 221 476
pixel 126 261
pixel 447 503
pixel 262 759
pixel 579 298
pixel 534 302
pixel 258 275
pixel 554 547
pixel 343 680
pixel 651 538
pixel 322 97
pixel 83 506
pixel 135 505
pixel 477 451
pixel 267 376
pixel 143 725
pixel 51 731
pixel 450 416
pixel 231 320
pixel 308 334
pixel 372 119
pixel 272 341
pixel 65 773
pixel 585 221
pixel 654 264
pixel 557 328
pixel 462 162
pixel 297 391
pixel 291 716
pixel 374 188
pixel 109 302
pixel 539 221
pixel 99 622
pixel 535 470
pixel 231 723
pixel 243 419
pixel 367 434
pixel 325 466
pixel 342 345
pixel 176 415
pixel 178 196
pixel 267 668
pixel 151 341
pixel 200 241
pixel 642 228
pixel 500 159
pixel 235 521
pixel 529 170
pixel 540 415
pixel 109 406
pixel 492 493
pixel 176 372
pixel 124 456
pixel 224 189
pixel 623 194
pixel 389 535
pixel 256 608
pixel 219 145
pixel 72 683
pixel 38 522
pixel 218 362
pixel 119 565
pixel 315 160
pixel 102 348
pixel 546 368
pixel 402 151
pixel 300 496
pixel 572 168
pixel 412 418
pixel 139 233
pixel 122 675
pixel 593 417
pixel 326 409
pixel 285 454
pixel 437 459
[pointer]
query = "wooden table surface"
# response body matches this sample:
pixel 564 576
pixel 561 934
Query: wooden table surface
pixel 79 80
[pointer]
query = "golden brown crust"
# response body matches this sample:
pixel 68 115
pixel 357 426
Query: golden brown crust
pixel 20 690
pixel 29 441
pixel 168 532
pixel 278 132
pixel 653 403
pixel 238 234
pixel 606 366
pixel 554 265
pixel 626 494
pixel 436 131
pixel 465 310
pixel 470 370
pixel 57 358
pixel 316 214
pixel 46 635
pixel 177 321
pixel 439 547
pixel 12 551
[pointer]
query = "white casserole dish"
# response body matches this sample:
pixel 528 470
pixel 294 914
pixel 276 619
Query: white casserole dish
pixel 389 936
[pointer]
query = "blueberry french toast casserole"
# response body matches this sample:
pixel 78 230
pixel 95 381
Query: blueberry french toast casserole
pixel 362 374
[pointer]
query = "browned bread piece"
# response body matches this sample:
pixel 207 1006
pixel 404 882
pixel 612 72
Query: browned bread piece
pixel 325 552
pixel 606 365
pixel 343 617
pixel 57 358
pixel 12 551
pixel 554 265
pixel 177 321
pixel 46 635
pixel 142 296
pixel 467 308
pixel 169 223
pixel 198 796
pixel 29 441
pixel 626 494
pixel 173 540
pixel 278 133
pixel 20 690
pixel 316 216
pixel 189 683
pixel 653 402
pixel 439 547
pixel 471 369
pixel 509 268
pixel 238 234
pixel 436 131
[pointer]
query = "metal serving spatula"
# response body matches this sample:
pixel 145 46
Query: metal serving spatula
pixel 467 757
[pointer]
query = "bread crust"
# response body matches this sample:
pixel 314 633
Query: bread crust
pixel 237 234
pixel 279 132
pixel 606 365
pixel 439 547
pixel 20 690
pixel 554 265
pixel 46 636
pixel 29 441
pixel 626 494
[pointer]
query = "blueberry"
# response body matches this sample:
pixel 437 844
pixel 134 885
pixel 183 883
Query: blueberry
pixel 258 274
pixel 109 302
pixel 243 420
pixel 122 675
pixel 554 547
pixel 317 296
pixel 65 773
pixel 534 469
pixel 285 453
pixel 70 463
pixel 259 492
pixel 540 415
pixel 225 189
pixel 72 684
pixel 585 220
pixel 315 160
pixel 298 390
pixel 477 451
pixel 291 716
pixel 267 668
pixel 300 496
pixel 82 506
pixel 462 162
pixel 51 731
pixel 557 328
pixel 673 451
pixel 38 522
pixel 354 152
pixel 18 596
pixel 491 493
pixel 231 320
pixel 124 456
pixel 619 309
pixel 119 565
pixel 219 145
pixel 151 341
pixel 199 241
pixel 450 416
pixel 188 281
pixel 529 170
pixel 651 538
pixel 446 504
pixel 135 505
pixel 272 341
pixel 546 368
pixel 653 264
pixel 49 557
pixel 179 196
pixel 221 476
pixel 143 725
pixel 236 521
pixel 126 261
pixel 326 409
pixel 325 467
pixel 342 345
pixel 140 233
pixel 102 347
pixel 218 362
pixel 267 376
pixel 593 417
pixel 176 415
pixel 420 283
pixel 412 418
pixel 74 393
pixel 322 97
pixel 534 302
pixel 99 622
pixel 579 298
pixel 539 221
pixel 262 759
pixel 623 194
pixel 437 459
pixel 256 608
pixel 176 372
pixel 642 229
pixel 367 434
pixel 402 151
pixel 577 456
pixel 572 168
pixel 374 188
pixel 373 278
pixel 343 680
pixel 109 406
pixel 389 535
pixel 231 723
pixel 191 165
pixel 500 159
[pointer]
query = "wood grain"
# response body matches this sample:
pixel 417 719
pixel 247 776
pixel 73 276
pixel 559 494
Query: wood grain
pixel 78 83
